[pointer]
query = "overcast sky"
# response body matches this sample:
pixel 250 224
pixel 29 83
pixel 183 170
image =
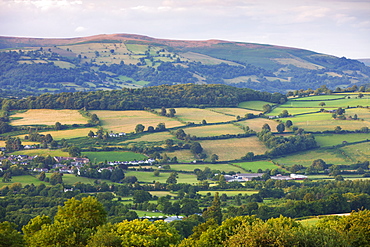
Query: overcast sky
pixel 336 27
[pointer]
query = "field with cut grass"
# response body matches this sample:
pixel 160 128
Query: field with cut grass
pixel 255 165
pixel 47 117
pixel 126 121
pixel 148 177
pixel 214 130
pixel 114 156
pixel 235 148
pixel 67 134
pixel 191 167
pixel 254 105
pixel 183 155
pixel 323 121
pixel 358 152
pixel 257 123
pixel 327 140
pixel 153 137
pixel 2 143
pixel 42 152
pixel 234 111
pixel 197 115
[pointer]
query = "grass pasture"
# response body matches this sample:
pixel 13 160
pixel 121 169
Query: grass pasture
pixel 231 149
pixel 293 111
pixel 254 105
pixel 352 102
pixel 42 152
pixel 255 165
pixel 323 121
pixel 330 156
pixel 153 137
pixel 126 121
pixel 114 156
pixel 191 167
pixel 327 140
pixel 214 130
pixel 148 177
pixel 47 117
pixel 183 155
pixel 358 152
pixel 257 123
pixel 24 180
pixel 320 97
pixel 197 115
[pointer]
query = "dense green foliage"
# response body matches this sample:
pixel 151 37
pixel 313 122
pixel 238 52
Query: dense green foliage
pixel 154 97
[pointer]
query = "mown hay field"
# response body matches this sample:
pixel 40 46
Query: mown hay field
pixel 153 137
pixel 183 155
pixel 327 140
pixel 323 121
pixel 255 165
pixel 191 167
pixel 2 143
pixel 47 117
pixel 114 156
pixel 126 121
pixel 257 123
pixel 254 104
pixel 68 134
pixel 148 177
pixel 234 111
pixel 197 115
pixel 231 149
pixel 214 130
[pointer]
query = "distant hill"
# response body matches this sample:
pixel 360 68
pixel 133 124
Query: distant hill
pixel 366 61
pixel 105 62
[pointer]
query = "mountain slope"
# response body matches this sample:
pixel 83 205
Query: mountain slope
pixel 114 61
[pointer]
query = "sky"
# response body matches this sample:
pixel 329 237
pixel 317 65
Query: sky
pixel 335 27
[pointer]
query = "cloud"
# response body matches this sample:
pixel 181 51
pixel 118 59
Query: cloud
pixel 80 29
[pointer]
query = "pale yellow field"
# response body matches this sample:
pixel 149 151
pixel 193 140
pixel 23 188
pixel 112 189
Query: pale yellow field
pixel 42 152
pixel 197 115
pixel 231 149
pixel 361 113
pixel 182 155
pixel 48 117
pixel 214 130
pixel 126 121
pixel 2 143
pixel 155 137
pixel 67 134
pixel 234 111
pixel 257 123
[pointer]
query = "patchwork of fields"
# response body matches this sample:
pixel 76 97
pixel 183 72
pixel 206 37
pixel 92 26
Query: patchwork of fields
pixel 220 121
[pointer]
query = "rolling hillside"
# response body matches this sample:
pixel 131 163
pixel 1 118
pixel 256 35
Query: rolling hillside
pixel 104 62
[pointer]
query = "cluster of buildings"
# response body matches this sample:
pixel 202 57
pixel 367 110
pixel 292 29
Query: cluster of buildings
pixel 243 177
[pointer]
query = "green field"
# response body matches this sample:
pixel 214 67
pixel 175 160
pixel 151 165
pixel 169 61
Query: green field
pixel 327 140
pixel 255 165
pixel 257 123
pixel 191 167
pixel 254 105
pixel 154 137
pixel 319 97
pixel 330 156
pixel 293 111
pixel 353 102
pixel 24 180
pixel 42 152
pixel 114 156
pixel 323 121
pixel 235 148
pixel 148 177
pixel 214 130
